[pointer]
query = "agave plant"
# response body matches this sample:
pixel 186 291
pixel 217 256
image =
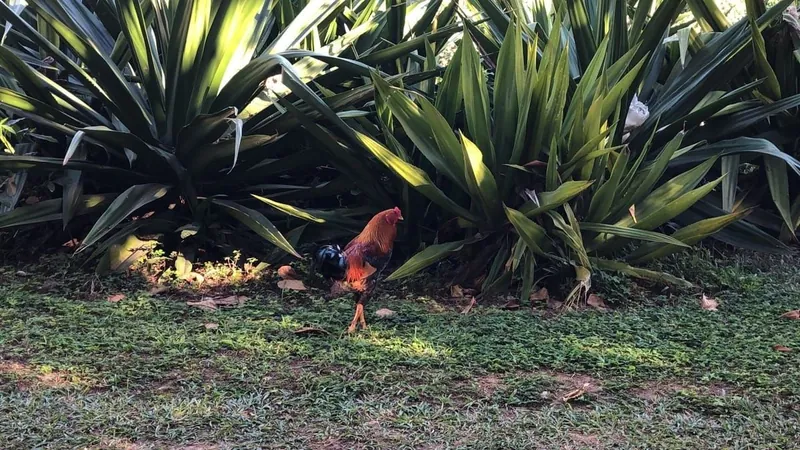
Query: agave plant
pixel 176 105
pixel 539 167
pixel 712 94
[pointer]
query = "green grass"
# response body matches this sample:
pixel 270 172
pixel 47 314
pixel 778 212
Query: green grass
pixel 78 371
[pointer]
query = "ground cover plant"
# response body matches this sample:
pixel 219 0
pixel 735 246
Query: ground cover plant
pixel 127 367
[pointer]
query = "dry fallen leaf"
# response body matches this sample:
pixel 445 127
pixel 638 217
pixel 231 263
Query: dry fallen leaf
pixel 540 295
pixel 456 291
pixel 287 273
pixel 512 304
pixel 632 212
pixel 205 304
pixel 708 303
pixel 595 301
pixel 116 298
pixel 294 285
pixel 232 300
pixel 781 348
pixel 211 326
pixel 574 394
pixel 32 200
pixel 211 304
pixel 384 313
pixel 310 330
pixel 792 315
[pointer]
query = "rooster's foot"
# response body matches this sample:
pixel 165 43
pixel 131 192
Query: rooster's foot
pixel 357 318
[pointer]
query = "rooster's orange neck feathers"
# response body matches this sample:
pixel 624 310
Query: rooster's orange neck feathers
pixel 380 230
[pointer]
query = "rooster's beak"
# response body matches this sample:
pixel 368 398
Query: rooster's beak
pixel 400 219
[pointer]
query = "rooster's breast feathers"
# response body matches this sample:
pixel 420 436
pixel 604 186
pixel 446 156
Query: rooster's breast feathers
pixel 365 260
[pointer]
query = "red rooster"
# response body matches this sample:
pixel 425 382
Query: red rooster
pixel 357 268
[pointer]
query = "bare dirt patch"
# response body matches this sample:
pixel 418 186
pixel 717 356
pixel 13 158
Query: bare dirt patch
pixel 175 380
pixel 656 390
pixel 582 440
pixel 488 385
pixel 330 443
pixel 577 381
pixel 304 367
pixel 200 446
pixel 124 444
pixel 300 366
pixel 28 377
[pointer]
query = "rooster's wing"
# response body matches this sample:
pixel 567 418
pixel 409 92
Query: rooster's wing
pixel 365 263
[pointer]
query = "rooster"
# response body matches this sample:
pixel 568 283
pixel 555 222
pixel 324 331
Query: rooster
pixel 357 268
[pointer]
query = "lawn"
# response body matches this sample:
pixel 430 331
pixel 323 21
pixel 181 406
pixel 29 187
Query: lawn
pixel 149 371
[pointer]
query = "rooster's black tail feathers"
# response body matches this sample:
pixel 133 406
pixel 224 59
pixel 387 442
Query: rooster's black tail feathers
pixel 330 262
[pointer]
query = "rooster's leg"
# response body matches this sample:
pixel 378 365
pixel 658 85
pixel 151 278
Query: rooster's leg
pixel 358 317
pixel 354 322
pixel 362 298
pixel 361 319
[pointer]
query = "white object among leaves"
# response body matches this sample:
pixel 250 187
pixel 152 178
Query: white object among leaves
pixel 792 17
pixel 17 6
pixel 637 115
